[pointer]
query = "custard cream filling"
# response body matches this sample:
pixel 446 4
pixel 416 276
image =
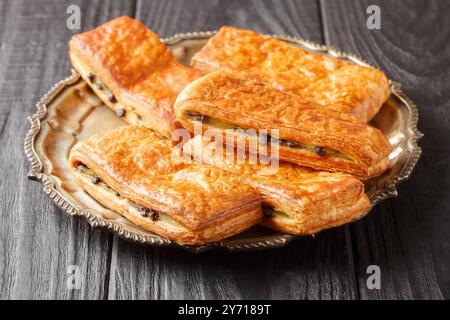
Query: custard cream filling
pixel 106 94
pixel 85 71
pixel 221 125
pixel 132 206
pixel 274 212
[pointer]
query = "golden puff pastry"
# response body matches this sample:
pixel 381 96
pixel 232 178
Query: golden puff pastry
pixel 296 200
pixel 131 171
pixel 330 82
pixel 129 68
pixel 309 135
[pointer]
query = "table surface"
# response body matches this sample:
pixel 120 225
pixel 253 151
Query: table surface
pixel 408 237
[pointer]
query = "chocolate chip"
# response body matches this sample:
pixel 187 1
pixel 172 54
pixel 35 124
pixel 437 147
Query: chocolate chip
pixel 154 216
pixel 289 143
pixel 202 118
pixel 120 112
pixel 117 194
pixel 274 140
pixel 99 85
pixel 96 179
pixel 139 117
pixel 91 77
pixel 267 210
pixel 145 212
pixel 319 150
pixel 81 167
pixel 111 97
pixel 197 116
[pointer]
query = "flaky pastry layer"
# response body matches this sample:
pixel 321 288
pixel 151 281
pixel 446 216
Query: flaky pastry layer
pixel 330 82
pixel 296 199
pixel 132 71
pixel 131 171
pixel 309 135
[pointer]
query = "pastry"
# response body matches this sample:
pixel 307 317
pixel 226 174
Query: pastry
pixel 309 135
pixel 129 68
pixel 131 171
pixel 328 81
pixel 296 199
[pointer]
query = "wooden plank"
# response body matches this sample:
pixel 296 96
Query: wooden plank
pixel 292 17
pixel 307 269
pixel 39 241
pixel 320 268
pixel 408 237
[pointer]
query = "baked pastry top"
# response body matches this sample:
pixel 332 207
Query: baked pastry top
pixel 133 72
pixel 131 170
pixel 296 199
pixel 316 107
pixel 309 135
pixel 330 82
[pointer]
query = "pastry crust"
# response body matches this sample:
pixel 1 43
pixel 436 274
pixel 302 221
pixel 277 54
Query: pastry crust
pixel 303 201
pixel 354 147
pixel 330 82
pixel 132 64
pixel 196 204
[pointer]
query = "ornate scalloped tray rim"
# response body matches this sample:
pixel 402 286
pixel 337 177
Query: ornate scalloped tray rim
pixel 35 172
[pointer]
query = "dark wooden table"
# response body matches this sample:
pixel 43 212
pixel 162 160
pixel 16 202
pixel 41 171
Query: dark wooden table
pixel 408 237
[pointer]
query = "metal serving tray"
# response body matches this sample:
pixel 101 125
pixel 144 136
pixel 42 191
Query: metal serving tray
pixel 71 112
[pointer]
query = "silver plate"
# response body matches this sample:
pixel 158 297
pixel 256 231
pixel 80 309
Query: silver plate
pixel 71 112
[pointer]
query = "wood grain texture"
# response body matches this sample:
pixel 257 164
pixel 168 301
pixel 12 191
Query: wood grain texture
pixel 290 17
pixel 306 269
pixel 39 241
pixel 408 236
